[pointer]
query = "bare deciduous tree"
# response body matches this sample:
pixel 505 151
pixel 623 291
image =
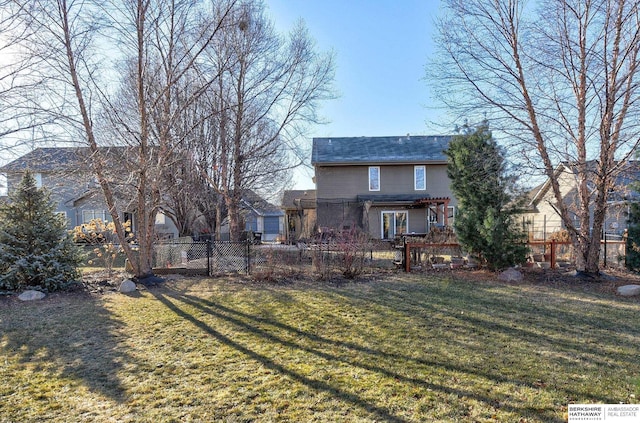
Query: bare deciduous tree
pixel 159 43
pixel 19 81
pixel 559 77
pixel 269 92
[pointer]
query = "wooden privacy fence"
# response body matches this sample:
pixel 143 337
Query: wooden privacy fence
pixel 545 254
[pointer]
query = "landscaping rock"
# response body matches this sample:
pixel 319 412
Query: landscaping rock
pixel 126 286
pixel 31 295
pixel 511 275
pixel 629 290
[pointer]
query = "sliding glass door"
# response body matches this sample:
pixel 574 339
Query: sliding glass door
pixel 394 223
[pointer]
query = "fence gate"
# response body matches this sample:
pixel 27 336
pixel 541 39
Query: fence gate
pixel 201 257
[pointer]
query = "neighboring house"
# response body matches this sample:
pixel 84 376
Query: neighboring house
pixel 260 217
pixel 65 172
pixel 386 186
pixel 541 216
pixel 300 214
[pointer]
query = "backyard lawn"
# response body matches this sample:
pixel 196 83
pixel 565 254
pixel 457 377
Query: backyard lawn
pixel 397 348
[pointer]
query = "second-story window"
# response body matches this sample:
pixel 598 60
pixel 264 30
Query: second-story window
pixel 374 178
pixel 419 178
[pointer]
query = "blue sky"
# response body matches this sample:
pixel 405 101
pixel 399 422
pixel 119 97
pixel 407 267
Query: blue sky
pixel 382 48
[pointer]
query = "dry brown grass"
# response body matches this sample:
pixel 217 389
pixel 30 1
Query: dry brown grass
pixel 399 348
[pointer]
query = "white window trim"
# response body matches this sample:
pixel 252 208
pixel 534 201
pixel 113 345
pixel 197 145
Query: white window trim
pixel 424 178
pixel 97 214
pixel 369 178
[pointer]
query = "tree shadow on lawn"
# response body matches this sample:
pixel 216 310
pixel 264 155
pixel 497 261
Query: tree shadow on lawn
pixel 352 354
pixel 587 330
pixel 65 340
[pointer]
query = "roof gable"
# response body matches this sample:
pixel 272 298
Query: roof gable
pixel 380 150
pixel 259 205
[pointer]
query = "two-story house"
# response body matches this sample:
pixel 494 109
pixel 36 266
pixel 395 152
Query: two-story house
pixel 543 219
pixel 66 173
pixel 386 186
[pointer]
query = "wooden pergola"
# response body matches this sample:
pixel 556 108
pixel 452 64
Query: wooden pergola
pixel 437 204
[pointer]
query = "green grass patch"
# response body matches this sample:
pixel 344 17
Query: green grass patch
pixel 406 348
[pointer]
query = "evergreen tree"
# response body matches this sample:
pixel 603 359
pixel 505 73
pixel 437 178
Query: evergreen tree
pixel 485 222
pixel 632 259
pixel 36 250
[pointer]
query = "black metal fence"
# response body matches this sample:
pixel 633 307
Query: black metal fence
pixel 203 257
pixel 272 261
pixel 261 260
pixel 196 257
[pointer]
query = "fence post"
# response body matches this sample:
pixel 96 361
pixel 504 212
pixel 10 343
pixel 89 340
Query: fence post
pixel 407 257
pixel 553 254
pixel 248 257
pixel 604 235
pixel 209 251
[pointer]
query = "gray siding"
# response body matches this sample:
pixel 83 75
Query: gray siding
pixel 339 188
pixel 347 182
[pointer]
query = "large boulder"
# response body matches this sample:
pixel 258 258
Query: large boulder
pixel 31 295
pixel 511 275
pixel 126 286
pixel 629 290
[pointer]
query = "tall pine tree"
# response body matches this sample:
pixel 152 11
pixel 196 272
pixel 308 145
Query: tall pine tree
pixel 632 259
pixel 485 222
pixel 36 250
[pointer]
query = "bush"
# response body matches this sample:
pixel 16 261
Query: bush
pixel 345 252
pixel 101 235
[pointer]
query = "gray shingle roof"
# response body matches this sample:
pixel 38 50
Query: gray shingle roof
pixel 53 159
pixel 44 160
pixel 260 205
pixel 380 150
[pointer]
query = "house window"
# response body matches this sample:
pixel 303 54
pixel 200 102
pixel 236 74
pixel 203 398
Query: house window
pixel 38 178
pixel 394 223
pixel 89 215
pixel 451 215
pixel 374 178
pixel 419 178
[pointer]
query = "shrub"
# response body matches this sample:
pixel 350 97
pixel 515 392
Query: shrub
pixel 352 246
pixel 101 235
